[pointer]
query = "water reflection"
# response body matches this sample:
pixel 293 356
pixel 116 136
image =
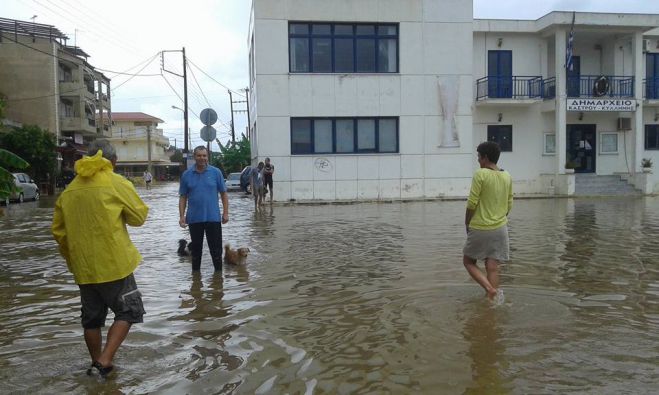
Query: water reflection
pixel 365 298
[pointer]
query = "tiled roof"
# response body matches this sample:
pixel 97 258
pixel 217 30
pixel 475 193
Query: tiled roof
pixel 135 117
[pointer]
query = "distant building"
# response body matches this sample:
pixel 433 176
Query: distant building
pixel 47 83
pixel 388 100
pixel 138 141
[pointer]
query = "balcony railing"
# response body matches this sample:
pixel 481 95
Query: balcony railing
pixel 651 88
pixel 600 86
pixel 514 87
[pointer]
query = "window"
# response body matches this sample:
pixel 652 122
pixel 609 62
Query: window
pixel 652 137
pixel 608 143
pixel 343 135
pixel 550 144
pixel 502 135
pixel 343 48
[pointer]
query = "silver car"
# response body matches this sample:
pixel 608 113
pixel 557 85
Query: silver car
pixel 233 182
pixel 27 189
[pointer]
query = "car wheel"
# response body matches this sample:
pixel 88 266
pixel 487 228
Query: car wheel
pixel 20 198
pixel 36 196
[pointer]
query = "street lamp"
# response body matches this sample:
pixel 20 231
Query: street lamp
pixel 182 110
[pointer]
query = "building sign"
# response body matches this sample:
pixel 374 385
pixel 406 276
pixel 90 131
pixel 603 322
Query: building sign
pixel 601 105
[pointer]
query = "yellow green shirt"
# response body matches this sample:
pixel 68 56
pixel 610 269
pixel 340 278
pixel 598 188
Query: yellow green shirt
pixel 491 197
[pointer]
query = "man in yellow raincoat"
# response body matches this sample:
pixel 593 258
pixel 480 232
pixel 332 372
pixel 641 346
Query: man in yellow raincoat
pixel 89 225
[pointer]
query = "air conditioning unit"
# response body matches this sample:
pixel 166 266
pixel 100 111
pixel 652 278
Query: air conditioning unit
pixel 646 45
pixel 624 124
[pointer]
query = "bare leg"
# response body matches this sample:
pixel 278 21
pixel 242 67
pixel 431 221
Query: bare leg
pixel 492 267
pixel 478 276
pixel 94 342
pixel 116 335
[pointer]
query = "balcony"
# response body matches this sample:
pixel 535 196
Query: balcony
pixel 651 89
pixel 70 88
pixel 509 89
pixel 78 124
pixel 600 86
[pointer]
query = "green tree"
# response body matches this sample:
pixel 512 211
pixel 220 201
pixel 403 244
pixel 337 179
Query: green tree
pixel 8 161
pixel 35 146
pixel 233 156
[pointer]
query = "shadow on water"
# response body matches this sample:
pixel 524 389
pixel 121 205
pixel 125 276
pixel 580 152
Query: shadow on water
pixel 365 298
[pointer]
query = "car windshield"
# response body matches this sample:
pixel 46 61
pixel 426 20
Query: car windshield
pixel 234 176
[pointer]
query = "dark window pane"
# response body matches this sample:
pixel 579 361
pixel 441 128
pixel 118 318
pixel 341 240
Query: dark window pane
pixel 365 30
pixel 345 135
pixel 651 137
pixel 365 55
pixel 299 53
pixel 320 29
pixel 366 135
pixel 502 135
pixel 301 136
pixel 343 30
pixel 388 135
pixel 343 52
pixel 387 57
pixel 322 55
pixel 298 28
pixel 387 30
pixel 322 136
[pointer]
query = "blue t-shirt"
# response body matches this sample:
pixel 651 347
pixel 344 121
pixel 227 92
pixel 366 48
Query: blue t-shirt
pixel 201 190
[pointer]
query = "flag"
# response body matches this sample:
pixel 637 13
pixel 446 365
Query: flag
pixel 568 50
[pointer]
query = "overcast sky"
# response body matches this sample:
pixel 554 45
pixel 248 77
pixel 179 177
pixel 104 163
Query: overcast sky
pixel 122 34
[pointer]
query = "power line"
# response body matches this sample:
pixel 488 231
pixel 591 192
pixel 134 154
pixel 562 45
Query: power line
pixel 213 79
pixel 44 96
pixel 132 76
pixel 199 86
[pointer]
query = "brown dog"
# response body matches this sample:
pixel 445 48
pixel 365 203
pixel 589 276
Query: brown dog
pixel 235 257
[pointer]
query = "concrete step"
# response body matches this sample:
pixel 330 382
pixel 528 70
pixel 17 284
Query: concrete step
pixel 609 185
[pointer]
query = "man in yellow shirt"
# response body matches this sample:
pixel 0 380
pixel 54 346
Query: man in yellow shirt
pixel 89 224
pixel 486 219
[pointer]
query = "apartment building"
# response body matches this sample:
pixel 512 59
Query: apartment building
pixel 140 144
pixel 388 99
pixel 47 83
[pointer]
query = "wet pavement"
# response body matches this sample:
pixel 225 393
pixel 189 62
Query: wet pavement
pixel 363 298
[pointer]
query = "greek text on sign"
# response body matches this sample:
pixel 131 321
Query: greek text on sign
pixel 601 105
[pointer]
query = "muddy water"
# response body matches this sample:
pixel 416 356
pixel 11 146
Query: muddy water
pixel 366 298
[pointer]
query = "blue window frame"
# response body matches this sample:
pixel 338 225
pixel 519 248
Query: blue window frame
pixel 652 76
pixel 500 73
pixel 375 135
pixel 652 137
pixel 342 48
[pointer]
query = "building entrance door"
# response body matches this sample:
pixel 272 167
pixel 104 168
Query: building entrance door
pixel 581 147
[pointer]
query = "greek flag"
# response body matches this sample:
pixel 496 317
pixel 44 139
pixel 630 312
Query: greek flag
pixel 568 51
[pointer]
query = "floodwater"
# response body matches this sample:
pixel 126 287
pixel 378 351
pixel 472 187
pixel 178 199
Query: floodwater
pixel 343 299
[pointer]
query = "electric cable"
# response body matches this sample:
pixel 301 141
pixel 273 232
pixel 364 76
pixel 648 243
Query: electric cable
pixel 132 76
pixel 213 79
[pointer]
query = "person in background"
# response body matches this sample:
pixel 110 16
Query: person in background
pixel 89 224
pixel 268 172
pixel 486 218
pixel 256 180
pixel 198 191
pixel 147 179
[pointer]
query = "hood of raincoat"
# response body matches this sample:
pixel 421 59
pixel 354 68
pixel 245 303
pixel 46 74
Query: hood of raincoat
pixel 90 165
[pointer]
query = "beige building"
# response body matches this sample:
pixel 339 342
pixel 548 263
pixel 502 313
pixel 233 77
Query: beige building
pixel 140 144
pixel 47 83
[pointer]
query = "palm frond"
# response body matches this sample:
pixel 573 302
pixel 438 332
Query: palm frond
pixel 9 159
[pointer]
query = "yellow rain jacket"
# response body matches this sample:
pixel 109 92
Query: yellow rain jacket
pixel 90 220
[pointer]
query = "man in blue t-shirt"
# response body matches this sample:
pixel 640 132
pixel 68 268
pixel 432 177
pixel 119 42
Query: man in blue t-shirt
pixel 198 191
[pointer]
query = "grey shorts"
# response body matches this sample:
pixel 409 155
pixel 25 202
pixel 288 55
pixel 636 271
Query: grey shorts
pixel 120 296
pixel 482 244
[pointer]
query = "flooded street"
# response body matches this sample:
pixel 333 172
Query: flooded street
pixel 343 299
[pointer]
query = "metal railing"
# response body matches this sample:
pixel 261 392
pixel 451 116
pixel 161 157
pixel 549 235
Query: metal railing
pixel 651 88
pixel 600 86
pixel 513 87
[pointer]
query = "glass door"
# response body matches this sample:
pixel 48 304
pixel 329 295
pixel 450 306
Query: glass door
pixel 581 147
pixel 500 74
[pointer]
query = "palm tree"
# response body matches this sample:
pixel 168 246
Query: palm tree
pixel 7 160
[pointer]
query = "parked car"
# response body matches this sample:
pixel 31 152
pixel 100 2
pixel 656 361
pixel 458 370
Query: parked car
pixel 27 189
pixel 233 182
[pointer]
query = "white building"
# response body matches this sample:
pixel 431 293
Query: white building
pixel 388 99
pixel 140 144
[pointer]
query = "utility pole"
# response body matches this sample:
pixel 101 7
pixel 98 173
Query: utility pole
pixel 233 129
pixel 185 99
pixel 186 129
pixel 148 149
